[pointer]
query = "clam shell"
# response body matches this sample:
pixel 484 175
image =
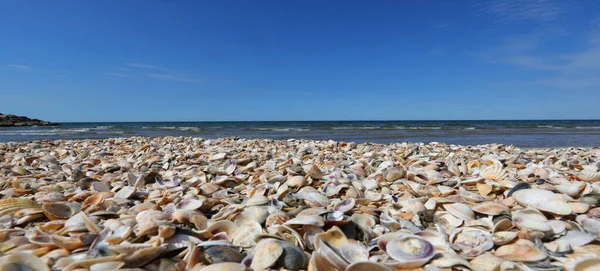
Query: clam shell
pixel 267 253
pixel 522 251
pixel 460 210
pixel 313 220
pixel 57 210
pixel 244 234
pixel 583 263
pixel 296 181
pixel 491 208
pixel 410 251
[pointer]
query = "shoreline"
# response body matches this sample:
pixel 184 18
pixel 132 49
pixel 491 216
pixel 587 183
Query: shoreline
pixel 390 144
pixel 242 200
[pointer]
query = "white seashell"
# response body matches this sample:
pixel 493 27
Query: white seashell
pixel 460 210
pixel 410 251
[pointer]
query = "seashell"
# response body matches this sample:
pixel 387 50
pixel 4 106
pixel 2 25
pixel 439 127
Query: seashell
pixel 589 176
pixel 313 220
pixel 486 262
pixel 296 181
pixel 331 255
pixel 393 173
pixel 245 234
pixel 579 207
pixel 22 261
pixel 409 251
pixel 224 266
pixel 471 241
pixel 531 219
pixel 252 213
pixel 312 198
pixel 491 208
pixel 592 199
pixel 219 254
pixel 571 189
pixel 484 189
pixel 189 204
pixel 521 251
pixel 125 192
pixel 267 253
pixel 344 205
pixel 519 186
pixel 106 266
pixel 143 256
pixel 314 172
pixel 460 210
pixel 367 266
pixel 583 263
pixel 257 200
pixel 12 205
pixel 542 200
pixel 293 258
pixel 57 211
pixel 99 187
pixel 503 237
pixel 495 172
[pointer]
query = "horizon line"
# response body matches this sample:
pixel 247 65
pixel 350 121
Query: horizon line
pixel 423 120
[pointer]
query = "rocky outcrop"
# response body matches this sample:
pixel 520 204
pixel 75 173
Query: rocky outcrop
pixel 13 120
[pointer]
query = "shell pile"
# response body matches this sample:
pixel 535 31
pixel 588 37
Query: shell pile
pixel 178 203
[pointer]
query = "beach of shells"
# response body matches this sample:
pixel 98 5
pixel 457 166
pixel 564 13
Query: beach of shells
pixel 181 203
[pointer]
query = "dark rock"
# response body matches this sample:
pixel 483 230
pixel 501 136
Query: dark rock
pixel 13 120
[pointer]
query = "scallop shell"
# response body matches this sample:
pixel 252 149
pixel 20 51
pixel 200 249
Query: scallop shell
pixel 495 172
pixel 12 205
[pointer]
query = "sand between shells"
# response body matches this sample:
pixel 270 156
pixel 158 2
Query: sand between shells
pixel 178 203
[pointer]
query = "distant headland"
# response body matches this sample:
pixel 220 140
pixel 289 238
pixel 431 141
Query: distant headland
pixel 7 120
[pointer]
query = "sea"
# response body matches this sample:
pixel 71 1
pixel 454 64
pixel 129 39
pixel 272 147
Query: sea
pixel 520 133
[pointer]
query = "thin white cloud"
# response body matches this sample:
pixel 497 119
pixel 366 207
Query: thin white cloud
pixel 173 77
pixel 563 70
pixel 122 75
pixel 119 68
pixel 158 72
pixel 516 11
pixel 149 67
pixel 15 66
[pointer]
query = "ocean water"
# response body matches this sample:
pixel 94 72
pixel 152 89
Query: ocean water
pixel 524 133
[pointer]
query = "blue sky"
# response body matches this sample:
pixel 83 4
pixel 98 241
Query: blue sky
pixel 150 60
